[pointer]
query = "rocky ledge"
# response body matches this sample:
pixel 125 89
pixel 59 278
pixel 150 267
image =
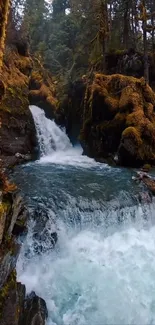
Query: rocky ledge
pixel 15 307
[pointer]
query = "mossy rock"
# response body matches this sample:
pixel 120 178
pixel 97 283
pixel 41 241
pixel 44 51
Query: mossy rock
pixel 120 111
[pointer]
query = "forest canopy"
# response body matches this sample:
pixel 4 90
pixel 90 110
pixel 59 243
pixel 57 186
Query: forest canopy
pixel 69 34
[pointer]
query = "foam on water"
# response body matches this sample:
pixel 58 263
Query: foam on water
pixel 102 270
pixel 95 279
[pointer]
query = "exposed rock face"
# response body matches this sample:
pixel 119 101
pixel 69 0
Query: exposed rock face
pixel 35 311
pixel 24 81
pixel 17 131
pixel 15 307
pixel 119 120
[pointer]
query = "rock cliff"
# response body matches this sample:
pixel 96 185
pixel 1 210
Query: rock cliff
pixel 23 81
pixel 15 307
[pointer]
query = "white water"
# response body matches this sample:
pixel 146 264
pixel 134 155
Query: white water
pixel 54 144
pixel 93 276
pixel 95 280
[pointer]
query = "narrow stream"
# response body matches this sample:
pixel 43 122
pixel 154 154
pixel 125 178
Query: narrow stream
pixel 101 271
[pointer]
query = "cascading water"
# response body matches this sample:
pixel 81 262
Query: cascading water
pixel 102 268
pixel 54 144
pixel 50 137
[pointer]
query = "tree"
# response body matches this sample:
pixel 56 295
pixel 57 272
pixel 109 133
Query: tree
pixel 33 22
pixel 4 11
pixel 145 17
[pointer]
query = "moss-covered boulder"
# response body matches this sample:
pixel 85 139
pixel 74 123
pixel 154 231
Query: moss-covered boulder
pixel 119 119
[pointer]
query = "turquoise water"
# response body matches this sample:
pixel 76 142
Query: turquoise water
pixel 102 268
pixel 101 271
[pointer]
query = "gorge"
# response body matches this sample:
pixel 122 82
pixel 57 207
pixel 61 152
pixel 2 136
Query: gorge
pixel 77 162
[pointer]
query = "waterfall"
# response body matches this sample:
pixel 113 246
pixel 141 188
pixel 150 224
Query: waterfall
pixel 54 144
pixel 51 138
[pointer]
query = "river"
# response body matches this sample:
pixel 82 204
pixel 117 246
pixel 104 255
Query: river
pixel 101 271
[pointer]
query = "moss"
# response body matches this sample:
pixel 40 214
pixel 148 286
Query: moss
pixel 146 167
pixel 113 103
pixel 36 80
pixel 24 64
pixel 3 209
pixel 132 133
pixel 148 94
pixel 135 119
pixel 121 118
pixel 149 110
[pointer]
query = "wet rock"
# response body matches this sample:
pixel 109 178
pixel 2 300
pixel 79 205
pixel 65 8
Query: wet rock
pixel 23 157
pixel 13 302
pixel 150 183
pixel 35 311
pixel 17 206
pixel 142 176
pixel 14 309
pixel 7 264
pixel 19 228
pixel 3 215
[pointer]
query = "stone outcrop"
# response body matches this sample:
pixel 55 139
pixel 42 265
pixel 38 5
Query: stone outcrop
pixel 15 307
pixel 23 81
pixel 17 131
pixel 119 119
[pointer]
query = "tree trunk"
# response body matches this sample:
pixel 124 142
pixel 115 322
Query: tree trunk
pixel 144 27
pixel 110 20
pixel 104 32
pixel 135 24
pixel 4 11
pixel 126 25
pixel 152 23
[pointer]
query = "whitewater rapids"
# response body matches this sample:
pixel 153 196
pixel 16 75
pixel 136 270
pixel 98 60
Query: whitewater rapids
pixel 102 269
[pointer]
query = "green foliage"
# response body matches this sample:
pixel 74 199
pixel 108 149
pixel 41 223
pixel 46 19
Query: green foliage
pixel 67 33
